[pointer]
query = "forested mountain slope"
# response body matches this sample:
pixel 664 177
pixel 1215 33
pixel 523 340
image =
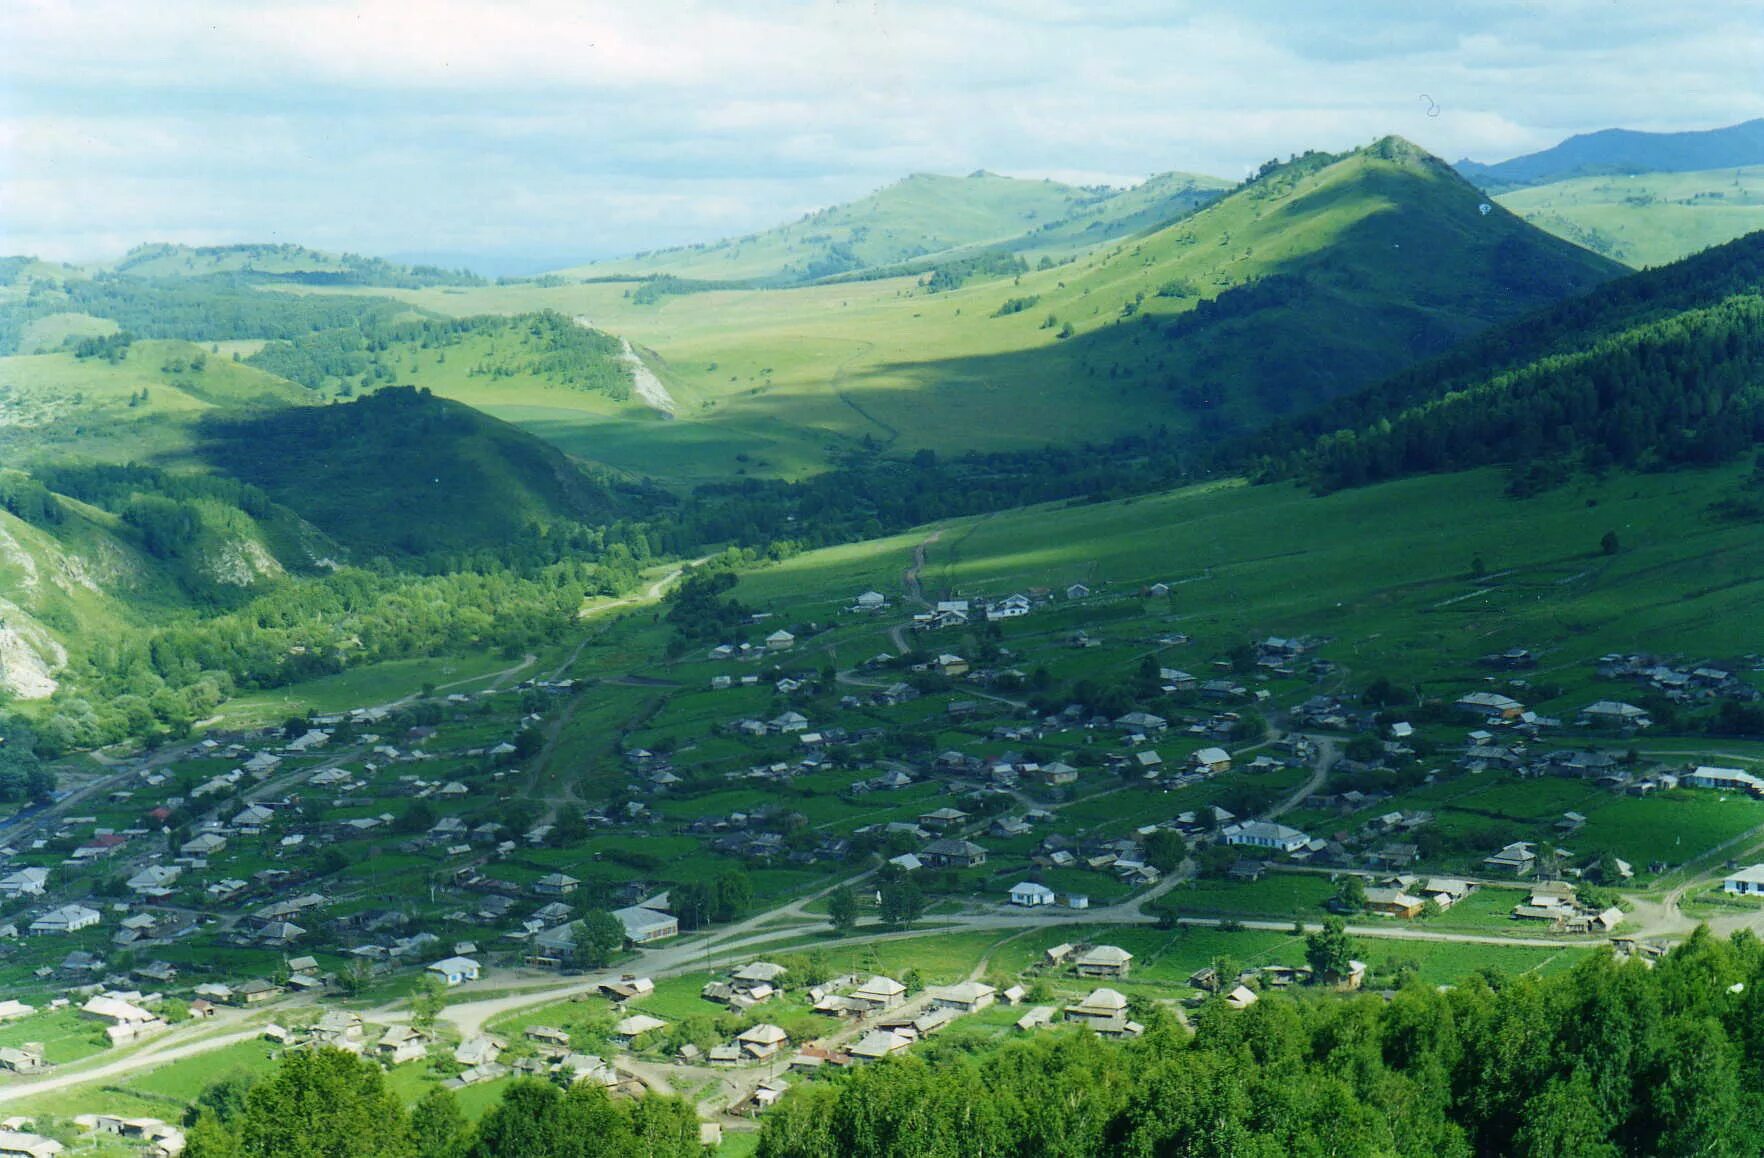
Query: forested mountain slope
pixel 1658 368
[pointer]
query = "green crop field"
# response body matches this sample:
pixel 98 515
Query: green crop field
pixel 1645 219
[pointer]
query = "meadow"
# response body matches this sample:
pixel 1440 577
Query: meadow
pixel 1647 219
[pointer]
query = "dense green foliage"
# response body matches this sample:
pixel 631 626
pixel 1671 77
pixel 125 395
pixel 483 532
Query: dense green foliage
pixel 1658 368
pixel 378 474
pixel 544 345
pixel 1607 1059
pixel 213 308
pixel 325 1103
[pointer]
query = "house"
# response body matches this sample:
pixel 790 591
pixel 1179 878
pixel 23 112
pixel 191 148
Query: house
pixel 968 997
pixel 635 1026
pixel 66 919
pixel 872 601
pixel 951 666
pixel 339 1028
pixel 1057 955
pixel 207 844
pixel 950 853
pixel 1394 903
pixel 25 1059
pixel 255 992
pixel 1037 1017
pixel 1517 859
pixel 1725 779
pixel 878 1044
pixel 128 1021
pixel 943 819
pixel 547 1035
pixel 1491 705
pixel 480 1050
pixel 1614 714
pixel 762 1041
pixel 1078 591
pixel 1241 997
pixel 455 970
pixel 1213 760
pixel 1745 882
pixel 878 993
pixel 1105 1011
pixel 555 885
pixel 1142 722
pixel 402 1043
pixel 1029 895
pixel 1265 834
pixel 780 640
pixel 643 924
pixel 11 1009
pixel 154 879
pixel 1446 892
pixel 18 1144
pixel 1103 961
pixel 26 882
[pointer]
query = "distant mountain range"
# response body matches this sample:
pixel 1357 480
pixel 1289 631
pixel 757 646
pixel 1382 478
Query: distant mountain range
pixel 1625 151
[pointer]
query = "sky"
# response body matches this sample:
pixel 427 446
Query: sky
pixel 543 132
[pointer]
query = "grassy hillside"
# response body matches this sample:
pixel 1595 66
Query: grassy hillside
pixel 1321 276
pixel 278 262
pixel 1385 572
pixel 136 406
pixel 1623 151
pixel 922 215
pixel 1649 218
pixel 406 473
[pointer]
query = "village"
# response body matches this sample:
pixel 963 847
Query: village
pixel 313 883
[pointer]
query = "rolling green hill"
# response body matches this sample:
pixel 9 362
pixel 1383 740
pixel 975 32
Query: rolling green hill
pixel 130 402
pixel 1648 218
pixel 278 263
pixel 402 472
pixel 923 215
pixel 1321 276
pixel 1625 151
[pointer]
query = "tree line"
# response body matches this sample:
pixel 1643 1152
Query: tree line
pixel 326 1103
pixel 1611 1058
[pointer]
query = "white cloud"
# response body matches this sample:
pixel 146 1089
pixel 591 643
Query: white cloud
pixel 606 125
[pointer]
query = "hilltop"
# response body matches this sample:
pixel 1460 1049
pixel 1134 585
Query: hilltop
pixel 1320 276
pixel 1625 151
pixel 919 217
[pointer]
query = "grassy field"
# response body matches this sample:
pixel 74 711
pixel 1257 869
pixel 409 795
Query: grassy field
pixel 379 683
pixel 1248 561
pixel 1647 219
pixel 769 381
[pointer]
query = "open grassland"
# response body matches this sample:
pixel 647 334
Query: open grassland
pixel 1645 219
pixel 769 381
pixel 140 409
pixel 1399 599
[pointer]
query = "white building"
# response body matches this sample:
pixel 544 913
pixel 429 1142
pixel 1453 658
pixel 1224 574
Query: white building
pixel 455 970
pixel 1746 882
pixel 1265 834
pixel 1029 895
pixel 66 919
